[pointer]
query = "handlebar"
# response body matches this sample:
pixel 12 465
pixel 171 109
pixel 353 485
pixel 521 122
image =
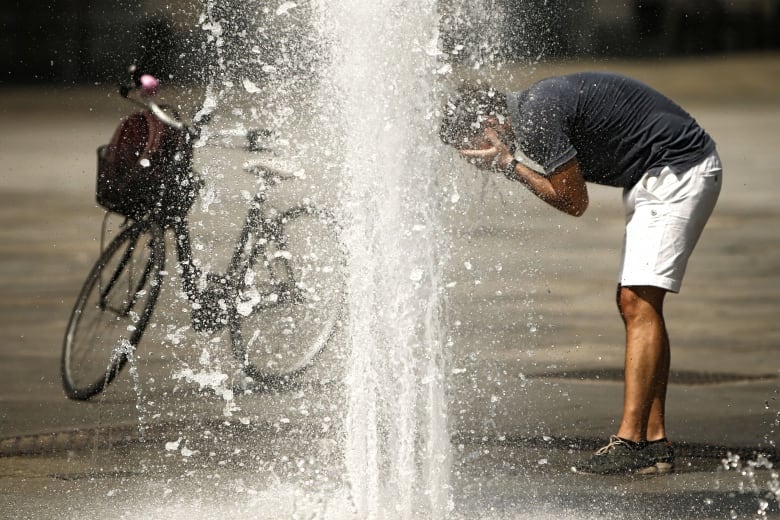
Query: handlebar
pixel 149 86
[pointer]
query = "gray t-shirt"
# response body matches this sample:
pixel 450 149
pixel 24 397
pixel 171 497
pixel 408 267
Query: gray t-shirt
pixel 616 127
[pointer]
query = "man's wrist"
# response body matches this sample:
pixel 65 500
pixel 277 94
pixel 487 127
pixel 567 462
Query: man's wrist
pixel 510 169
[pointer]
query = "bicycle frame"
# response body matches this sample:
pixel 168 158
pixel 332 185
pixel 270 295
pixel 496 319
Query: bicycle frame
pixel 213 307
pixel 211 310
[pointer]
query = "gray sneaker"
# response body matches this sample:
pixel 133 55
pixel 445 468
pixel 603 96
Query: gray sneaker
pixel 621 457
pixel 663 454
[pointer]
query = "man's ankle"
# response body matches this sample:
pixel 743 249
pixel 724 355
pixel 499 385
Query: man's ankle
pixel 662 439
pixel 634 444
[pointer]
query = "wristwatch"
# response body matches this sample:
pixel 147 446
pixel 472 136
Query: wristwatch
pixel 509 171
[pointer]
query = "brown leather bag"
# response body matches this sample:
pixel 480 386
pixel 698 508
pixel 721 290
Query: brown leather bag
pixel 146 168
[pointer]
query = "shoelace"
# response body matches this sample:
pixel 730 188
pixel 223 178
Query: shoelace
pixel 614 440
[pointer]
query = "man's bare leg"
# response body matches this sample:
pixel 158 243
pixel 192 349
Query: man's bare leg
pixel 646 365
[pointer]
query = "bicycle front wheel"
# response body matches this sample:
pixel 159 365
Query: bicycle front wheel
pixel 112 310
pixel 291 297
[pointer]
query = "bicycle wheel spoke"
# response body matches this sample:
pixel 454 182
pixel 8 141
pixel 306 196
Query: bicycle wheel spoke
pixel 291 301
pixel 112 310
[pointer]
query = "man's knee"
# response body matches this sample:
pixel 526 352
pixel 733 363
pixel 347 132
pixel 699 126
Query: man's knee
pixel 636 302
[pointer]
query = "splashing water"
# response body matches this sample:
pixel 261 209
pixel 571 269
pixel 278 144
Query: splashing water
pixel 397 445
pixel 366 117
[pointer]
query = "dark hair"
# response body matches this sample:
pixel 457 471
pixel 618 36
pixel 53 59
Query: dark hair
pixel 466 109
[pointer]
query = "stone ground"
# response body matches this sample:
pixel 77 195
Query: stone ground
pixel 537 343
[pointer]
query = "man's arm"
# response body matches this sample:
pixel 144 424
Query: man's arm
pixel 564 189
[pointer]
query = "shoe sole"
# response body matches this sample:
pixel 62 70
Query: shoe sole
pixel 659 468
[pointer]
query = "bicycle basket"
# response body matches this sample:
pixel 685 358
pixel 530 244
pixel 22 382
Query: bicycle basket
pixel 146 168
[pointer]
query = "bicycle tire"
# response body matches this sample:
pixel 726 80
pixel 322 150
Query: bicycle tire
pixel 112 310
pixel 291 297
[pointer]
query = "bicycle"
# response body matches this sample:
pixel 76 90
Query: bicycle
pixel 280 297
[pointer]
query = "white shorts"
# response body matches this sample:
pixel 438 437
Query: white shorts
pixel 665 214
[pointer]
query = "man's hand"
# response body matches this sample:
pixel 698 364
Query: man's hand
pixel 564 189
pixel 489 152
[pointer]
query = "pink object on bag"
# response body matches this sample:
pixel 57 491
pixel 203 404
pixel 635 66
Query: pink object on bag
pixel 149 84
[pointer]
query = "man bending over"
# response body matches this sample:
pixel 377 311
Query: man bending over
pixel 603 128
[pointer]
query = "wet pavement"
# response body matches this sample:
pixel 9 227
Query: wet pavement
pixel 536 357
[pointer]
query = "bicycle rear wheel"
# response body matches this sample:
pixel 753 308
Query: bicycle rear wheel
pixel 112 310
pixel 291 297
